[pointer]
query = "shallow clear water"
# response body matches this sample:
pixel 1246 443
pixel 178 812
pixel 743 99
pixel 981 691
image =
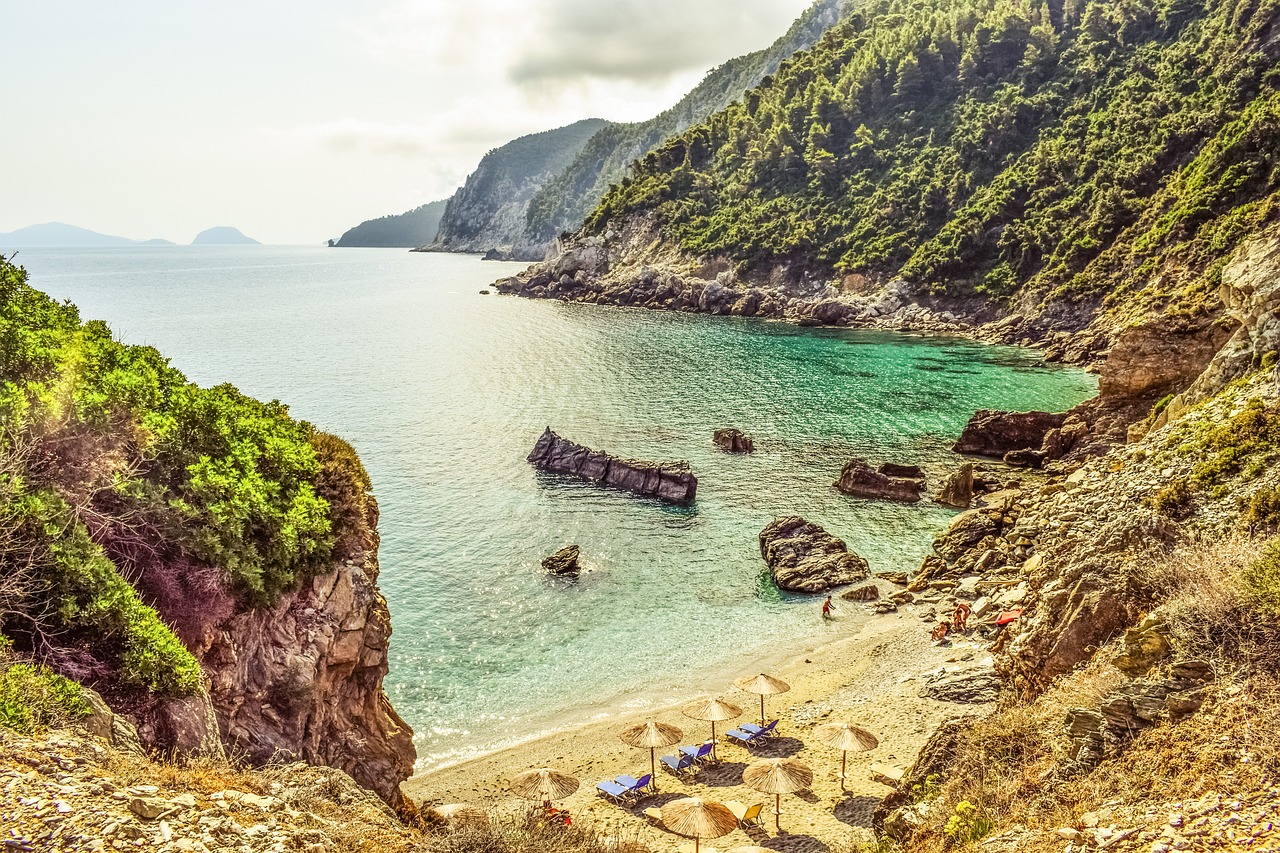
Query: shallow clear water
pixel 443 392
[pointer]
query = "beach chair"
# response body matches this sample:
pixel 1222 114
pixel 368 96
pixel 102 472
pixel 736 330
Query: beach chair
pixel 700 752
pixel 611 789
pixel 752 728
pixel 747 737
pixel 747 815
pixel 637 786
pixel 680 763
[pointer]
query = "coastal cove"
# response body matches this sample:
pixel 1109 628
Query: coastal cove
pixel 443 392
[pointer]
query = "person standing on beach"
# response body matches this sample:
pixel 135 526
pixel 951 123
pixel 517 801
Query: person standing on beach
pixel 826 608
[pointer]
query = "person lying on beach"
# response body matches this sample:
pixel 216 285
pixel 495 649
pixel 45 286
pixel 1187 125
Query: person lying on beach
pixel 939 633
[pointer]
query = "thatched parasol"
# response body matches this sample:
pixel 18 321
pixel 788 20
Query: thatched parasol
pixel 845 738
pixel 712 710
pixel 765 685
pixel 778 776
pixel 460 815
pixel 698 818
pixel 651 735
pixel 543 784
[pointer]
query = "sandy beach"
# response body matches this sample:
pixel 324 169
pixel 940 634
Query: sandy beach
pixel 870 679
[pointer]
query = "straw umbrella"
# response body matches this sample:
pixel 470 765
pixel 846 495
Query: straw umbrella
pixel 778 776
pixel 765 685
pixel 845 738
pixel 543 784
pixel 461 815
pixel 698 818
pixel 651 736
pixel 712 710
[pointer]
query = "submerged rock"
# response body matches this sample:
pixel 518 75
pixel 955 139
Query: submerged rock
pixel 805 558
pixel 734 441
pixel 563 563
pixel 673 482
pixel 891 482
pixel 993 433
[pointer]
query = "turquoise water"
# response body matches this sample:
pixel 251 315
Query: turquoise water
pixel 443 391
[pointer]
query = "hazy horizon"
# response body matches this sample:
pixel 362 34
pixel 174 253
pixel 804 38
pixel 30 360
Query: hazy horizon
pixel 293 122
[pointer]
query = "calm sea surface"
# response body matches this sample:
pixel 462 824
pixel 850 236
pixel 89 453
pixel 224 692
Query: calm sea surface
pixel 443 392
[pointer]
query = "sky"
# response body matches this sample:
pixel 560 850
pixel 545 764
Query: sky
pixel 294 121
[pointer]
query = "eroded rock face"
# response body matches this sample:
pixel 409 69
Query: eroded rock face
pixel 673 482
pixel 993 433
pixel 1160 355
pixel 892 482
pixel 303 678
pixel 734 441
pixel 957 491
pixel 805 558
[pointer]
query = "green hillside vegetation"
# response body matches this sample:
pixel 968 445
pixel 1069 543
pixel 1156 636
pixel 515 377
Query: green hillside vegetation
pixel 406 230
pixel 571 196
pixel 124 486
pixel 992 147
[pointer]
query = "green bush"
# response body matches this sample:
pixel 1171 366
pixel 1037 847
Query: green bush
pixel 968 823
pixel 33 698
pixel 1261 581
pixel 1174 498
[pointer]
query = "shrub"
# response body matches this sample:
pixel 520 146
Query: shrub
pixel 1262 509
pixel 968 823
pixel 1261 580
pixel 34 698
pixel 1173 499
pixel 345 485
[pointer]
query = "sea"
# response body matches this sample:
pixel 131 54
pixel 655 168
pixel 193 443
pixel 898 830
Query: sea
pixel 443 391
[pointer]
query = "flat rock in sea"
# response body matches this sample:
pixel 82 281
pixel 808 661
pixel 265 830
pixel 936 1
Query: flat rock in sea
pixel 805 558
pixel 563 563
pixel 673 482
pixel 892 482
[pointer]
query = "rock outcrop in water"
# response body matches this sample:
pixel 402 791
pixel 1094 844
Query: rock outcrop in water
pixel 563 563
pixel 993 433
pixel 734 441
pixel 892 482
pixel 673 482
pixel 805 558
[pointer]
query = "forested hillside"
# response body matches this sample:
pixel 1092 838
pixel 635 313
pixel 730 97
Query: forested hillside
pixel 567 200
pixel 1071 148
pixel 406 230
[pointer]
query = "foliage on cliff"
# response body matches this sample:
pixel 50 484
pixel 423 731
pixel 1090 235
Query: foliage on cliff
pixel 990 147
pixel 406 230
pixel 121 482
pixel 568 198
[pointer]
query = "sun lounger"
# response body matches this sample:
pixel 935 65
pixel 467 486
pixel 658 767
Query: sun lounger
pixel 746 737
pixel 624 787
pixel 746 815
pixel 680 763
pixel 699 752
pixel 886 773
pixel 752 728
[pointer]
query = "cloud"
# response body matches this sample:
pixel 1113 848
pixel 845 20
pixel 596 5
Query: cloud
pixel 356 136
pixel 643 40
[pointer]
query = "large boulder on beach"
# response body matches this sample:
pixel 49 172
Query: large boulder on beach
pixel 805 558
pixel 957 491
pixel 994 433
pixel 733 441
pixel 892 482
pixel 673 482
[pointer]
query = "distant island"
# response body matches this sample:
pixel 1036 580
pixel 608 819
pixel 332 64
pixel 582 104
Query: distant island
pixel 61 235
pixel 223 235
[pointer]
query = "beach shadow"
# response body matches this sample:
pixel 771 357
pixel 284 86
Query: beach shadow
pixel 776 747
pixel 808 796
pixel 722 774
pixel 856 811
pixel 785 842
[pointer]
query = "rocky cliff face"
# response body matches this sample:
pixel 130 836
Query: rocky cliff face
pixel 302 679
pixel 488 211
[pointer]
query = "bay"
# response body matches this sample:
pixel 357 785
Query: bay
pixel 443 392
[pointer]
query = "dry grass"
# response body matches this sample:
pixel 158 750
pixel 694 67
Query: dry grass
pixel 526 833
pixel 1013 763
